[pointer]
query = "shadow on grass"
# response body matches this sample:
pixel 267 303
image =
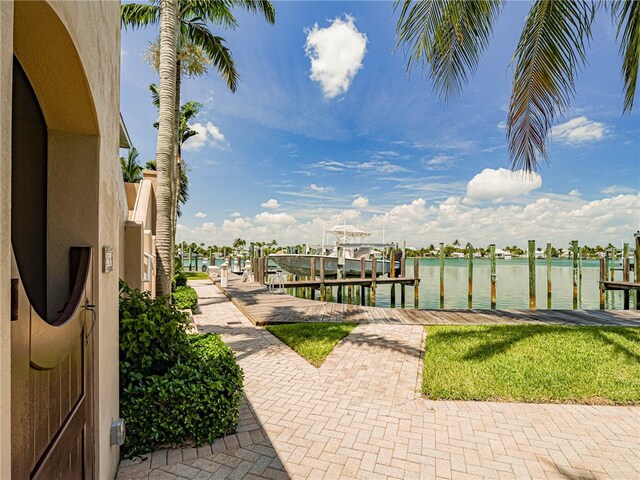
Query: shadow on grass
pixel 511 335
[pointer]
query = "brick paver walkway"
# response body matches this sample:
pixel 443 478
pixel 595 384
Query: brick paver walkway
pixel 360 416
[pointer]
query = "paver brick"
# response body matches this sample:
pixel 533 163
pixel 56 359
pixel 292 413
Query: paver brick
pixel 360 416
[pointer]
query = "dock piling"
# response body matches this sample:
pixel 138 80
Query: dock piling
pixel 374 274
pixel 470 285
pixel 574 249
pixel 441 252
pixel 322 289
pixel 603 278
pixel 549 276
pixel 416 281
pixel 531 250
pixel 492 255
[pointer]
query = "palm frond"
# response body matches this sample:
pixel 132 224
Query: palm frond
pixel 217 12
pixel 215 49
pixel 549 54
pixel 136 15
pixel 627 15
pixel 265 7
pixel 155 95
pixel 449 36
pixel 187 112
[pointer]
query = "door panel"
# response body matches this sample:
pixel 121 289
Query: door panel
pixel 51 425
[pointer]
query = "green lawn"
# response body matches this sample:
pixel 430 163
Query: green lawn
pixel 533 363
pixel 196 275
pixel 313 341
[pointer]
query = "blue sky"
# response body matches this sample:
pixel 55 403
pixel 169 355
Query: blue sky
pixel 351 137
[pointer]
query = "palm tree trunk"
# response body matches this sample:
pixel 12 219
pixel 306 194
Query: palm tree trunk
pixel 178 159
pixel 165 150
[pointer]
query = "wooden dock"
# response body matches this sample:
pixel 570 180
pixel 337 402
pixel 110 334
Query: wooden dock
pixel 265 308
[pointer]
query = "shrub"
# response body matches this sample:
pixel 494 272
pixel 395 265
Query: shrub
pixel 176 389
pixel 185 297
pixel 179 280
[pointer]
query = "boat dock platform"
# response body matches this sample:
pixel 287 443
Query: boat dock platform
pixel 265 308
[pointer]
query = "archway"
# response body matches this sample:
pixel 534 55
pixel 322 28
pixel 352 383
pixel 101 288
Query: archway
pixel 54 228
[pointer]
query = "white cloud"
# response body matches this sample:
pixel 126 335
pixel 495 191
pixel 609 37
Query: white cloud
pixel 208 226
pixel 336 53
pixel 579 130
pixel 278 218
pixel 439 162
pixel 380 167
pixel 555 218
pixel 575 193
pixel 501 125
pixel 360 202
pixel 618 189
pixel 271 203
pixel 200 215
pixel 208 135
pixel 235 215
pixel 318 188
pixel 499 184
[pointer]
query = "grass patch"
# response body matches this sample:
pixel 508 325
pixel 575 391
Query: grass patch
pixel 533 363
pixel 196 275
pixel 313 341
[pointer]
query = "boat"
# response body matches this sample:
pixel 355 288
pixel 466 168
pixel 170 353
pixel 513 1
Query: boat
pixel 350 259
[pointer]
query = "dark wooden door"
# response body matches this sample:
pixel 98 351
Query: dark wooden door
pixel 51 348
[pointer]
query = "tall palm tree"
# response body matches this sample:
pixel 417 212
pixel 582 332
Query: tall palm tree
pixel 131 169
pixel 188 111
pixel 165 150
pixel 450 36
pixel 192 16
pixel 183 188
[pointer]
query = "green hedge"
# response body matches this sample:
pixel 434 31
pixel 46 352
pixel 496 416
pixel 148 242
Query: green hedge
pixel 179 280
pixel 175 389
pixel 185 297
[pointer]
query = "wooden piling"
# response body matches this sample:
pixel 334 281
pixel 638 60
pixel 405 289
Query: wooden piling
pixel 322 289
pixel 470 284
pixel 392 263
pixel 363 273
pixel 416 281
pixel 492 256
pixel 189 259
pixel 549 276
pixel 374 274
pixel 625 278
pixel 636 265
pixel 603 277
pixel 403 274
pixel 313 268
pixel 441 252
pixel 612 264
pixel 531 250
pixel 574 248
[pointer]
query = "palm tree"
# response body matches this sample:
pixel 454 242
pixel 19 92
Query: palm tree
pixel 183 188
pixel 165 150
pixel 450 36
pixel 191 17
pixel 187 112
pixel 131 169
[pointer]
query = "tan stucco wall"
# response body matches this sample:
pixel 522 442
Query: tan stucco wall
pixel 94 30
pixel 6 61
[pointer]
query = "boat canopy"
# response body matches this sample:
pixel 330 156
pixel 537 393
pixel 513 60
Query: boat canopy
pixel 348 231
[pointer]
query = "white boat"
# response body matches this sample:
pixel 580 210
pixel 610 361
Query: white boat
pixel 300 264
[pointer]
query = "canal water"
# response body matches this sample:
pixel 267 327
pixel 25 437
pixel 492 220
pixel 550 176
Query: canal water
pixel 512 285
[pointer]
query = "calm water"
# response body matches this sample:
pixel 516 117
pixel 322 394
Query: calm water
pixel 512 285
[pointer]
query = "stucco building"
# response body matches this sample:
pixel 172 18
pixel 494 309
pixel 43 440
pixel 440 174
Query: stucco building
pixel 62 223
